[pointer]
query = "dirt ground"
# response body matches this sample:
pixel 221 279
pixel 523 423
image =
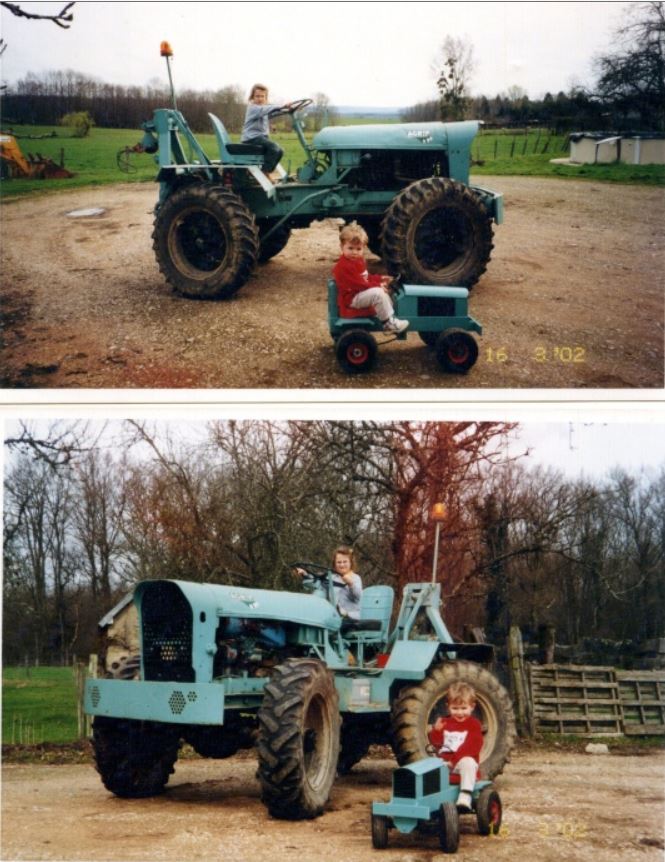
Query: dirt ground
pixel 557 806
pixel 573 297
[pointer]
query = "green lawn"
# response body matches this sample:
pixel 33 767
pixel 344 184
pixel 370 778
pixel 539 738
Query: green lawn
pixel 38 705
pixel 94 159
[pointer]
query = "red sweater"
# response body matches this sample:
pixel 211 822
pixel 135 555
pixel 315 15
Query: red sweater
pixel 351 277
pixel 458 739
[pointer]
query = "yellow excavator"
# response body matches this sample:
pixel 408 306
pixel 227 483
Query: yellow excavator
pixel 13 164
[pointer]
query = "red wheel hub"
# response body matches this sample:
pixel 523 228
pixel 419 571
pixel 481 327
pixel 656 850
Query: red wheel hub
pixel 357 353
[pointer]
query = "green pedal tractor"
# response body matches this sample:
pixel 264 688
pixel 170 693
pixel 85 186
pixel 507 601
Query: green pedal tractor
pixel 407 184
pixel 228 667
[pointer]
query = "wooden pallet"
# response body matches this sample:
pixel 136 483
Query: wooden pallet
pixel 577 699
pixel 642 694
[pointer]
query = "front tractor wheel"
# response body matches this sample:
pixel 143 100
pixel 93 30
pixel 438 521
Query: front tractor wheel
pixel 437 231
pixel 134 758
pixel 298 744
pixel 205 241
pixel 456 351
pixel 418 705
pixel 356 351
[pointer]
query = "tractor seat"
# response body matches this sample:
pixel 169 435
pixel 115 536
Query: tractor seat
pixel 349 625
pixel 244 149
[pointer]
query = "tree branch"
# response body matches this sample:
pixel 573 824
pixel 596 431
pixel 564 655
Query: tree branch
pixel 62 19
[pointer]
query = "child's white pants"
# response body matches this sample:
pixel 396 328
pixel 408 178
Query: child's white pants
pixel 467 768
pixel 377 297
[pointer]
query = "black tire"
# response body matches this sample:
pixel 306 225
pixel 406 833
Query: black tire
pixel 353 747
pixel 205 241
pixel 224 741
pixel 489 811
pixel 437 231
pixel 126 667
pixel 448 827
pixel 456 351
pixel 275 242
pixel 379 832
pixel 134 758
pixel 298 743
pixel 429 338
pixel 416 706
pixel 356 351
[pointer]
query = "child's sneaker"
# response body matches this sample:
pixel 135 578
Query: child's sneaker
pixel 464 802
pixel 393 324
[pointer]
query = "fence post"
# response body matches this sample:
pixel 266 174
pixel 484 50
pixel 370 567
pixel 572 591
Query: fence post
pixel 520 685
pixel 92 674
pixel 80 687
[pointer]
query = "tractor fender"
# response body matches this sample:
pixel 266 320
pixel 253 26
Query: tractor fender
pixel 411 659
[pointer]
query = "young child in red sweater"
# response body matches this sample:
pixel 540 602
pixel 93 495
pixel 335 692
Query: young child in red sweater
pixel 458 738
pixel 360 294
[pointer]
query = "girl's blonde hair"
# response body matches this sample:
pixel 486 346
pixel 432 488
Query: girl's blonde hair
pixel 353 231
pixel 258 87
pixel 346 551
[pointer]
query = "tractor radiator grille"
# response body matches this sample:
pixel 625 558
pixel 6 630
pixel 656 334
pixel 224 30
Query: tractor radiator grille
pixel 404 784
pixel 431 782
pixel 436 306
pixel 166 619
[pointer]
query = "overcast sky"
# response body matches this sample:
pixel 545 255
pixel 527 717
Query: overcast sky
pixel 577 448
pixel 373 53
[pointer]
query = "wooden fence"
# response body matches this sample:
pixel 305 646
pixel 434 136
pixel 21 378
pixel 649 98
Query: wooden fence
pixel 590 700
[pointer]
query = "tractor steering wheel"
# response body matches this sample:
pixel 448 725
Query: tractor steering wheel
pixel 298 105
pixel 313 570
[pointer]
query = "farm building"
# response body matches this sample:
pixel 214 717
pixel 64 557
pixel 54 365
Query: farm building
pixel 604 148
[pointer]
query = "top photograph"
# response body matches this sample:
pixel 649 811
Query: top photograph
pixel 332 196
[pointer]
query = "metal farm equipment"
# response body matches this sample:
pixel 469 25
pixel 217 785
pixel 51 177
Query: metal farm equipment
pixel 407 184
pixel 228 667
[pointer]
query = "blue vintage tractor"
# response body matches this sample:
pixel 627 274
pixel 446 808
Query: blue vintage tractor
pixel 228 667
pixel 407 184
pixel 424 795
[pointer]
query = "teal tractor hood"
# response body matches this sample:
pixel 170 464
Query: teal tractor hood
pixel 217 600
pixel 398 136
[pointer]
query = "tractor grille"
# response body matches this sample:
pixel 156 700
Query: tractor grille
pixel 404 784
pixel 166 618
pixel 431 782
pixel 436 306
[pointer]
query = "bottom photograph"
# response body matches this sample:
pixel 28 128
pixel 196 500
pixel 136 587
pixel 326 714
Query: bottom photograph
pixel 333 638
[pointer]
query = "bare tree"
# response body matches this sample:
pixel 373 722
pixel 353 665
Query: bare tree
pixel 454 67
pixel 57 445
pixel 631 77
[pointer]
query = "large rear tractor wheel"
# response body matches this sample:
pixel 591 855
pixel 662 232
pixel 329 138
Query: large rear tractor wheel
pixel 416 706
pixel 206 241
pixel 298 744
pixel 134 758
pixel 437 231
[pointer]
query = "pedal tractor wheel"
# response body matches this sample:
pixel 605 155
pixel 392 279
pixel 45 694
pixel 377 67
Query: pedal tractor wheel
pixel 417 706
pixel 298 743
pixel 429 338
pixel 448 827
pixel 456 352
pixel 488 811
pixel 379 831
pixel 206 241
pixel 356 351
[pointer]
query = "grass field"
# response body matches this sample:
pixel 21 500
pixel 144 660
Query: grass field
pixel 94 159
pixel 38 705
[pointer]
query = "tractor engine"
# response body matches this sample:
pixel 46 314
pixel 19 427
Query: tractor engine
pixel 248 645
